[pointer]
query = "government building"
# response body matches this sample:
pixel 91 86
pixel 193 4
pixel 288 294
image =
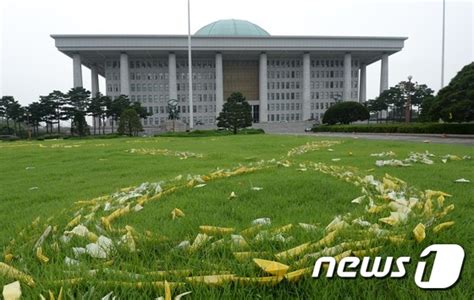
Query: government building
pixel 284 78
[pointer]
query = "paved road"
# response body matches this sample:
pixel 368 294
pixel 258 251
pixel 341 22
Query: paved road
pixel 467 140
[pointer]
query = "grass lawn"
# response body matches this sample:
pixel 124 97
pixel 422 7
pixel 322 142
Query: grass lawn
pixel 46 178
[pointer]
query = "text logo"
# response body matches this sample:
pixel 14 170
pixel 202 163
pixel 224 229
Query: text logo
pixel 445 271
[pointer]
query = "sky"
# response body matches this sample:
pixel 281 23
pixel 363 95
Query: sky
pixel 30 64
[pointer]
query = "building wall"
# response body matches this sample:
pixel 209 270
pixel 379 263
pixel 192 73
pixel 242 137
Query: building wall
pixel 285 89
pixel 327 83
pixel 241 76
pixel 149 85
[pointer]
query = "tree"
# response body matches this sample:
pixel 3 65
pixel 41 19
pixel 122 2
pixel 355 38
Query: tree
pixel 107 110
pixel 141 111
pixel 129 122
pixel 345 113
pixel 117 107
pixel 15 112
pixel 236 113
pixel 58 100
pixel 377 104
pixel 395 98
pixel 95 109
pixel 455 102
pixel 78 102
pixel 79 124
pixel 425 108
pixel 5 103
pixel 36 116
pixel 48 112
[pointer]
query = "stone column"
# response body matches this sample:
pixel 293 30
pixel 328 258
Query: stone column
pixel 94 89
pixel 124 75
pixel 347 77
pixel 306 87
pixel 94 81
pixel 219 84
pixel 77 70
pixel 173 92
pixel 363 83
pixel 263 87
pixel 384 74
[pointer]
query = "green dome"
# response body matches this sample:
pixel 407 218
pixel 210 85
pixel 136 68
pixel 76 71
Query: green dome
pixel 232 27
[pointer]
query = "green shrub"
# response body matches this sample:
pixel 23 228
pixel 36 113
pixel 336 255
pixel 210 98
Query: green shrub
pixel 205 133
pixel 8 138
pixel 345 113
pixel 437 128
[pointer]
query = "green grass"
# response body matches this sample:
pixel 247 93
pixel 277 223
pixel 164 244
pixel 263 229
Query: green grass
pixel 99 167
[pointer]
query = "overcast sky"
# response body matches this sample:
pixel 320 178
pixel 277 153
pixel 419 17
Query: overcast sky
pixel 31 66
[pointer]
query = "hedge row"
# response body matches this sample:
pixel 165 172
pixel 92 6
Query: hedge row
pixel 204 133
pixel 438 128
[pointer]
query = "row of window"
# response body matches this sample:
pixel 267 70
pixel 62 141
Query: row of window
pixel 182 109
pixel 284 117
pixel 332 74
pixel 283 96
pixel 283 85
pixel 163 98
pixel 332 95
pixel 324 63
pixel 155 121
pixel 321 105
pixel 284 106
pixel 150 64
pixel 197 86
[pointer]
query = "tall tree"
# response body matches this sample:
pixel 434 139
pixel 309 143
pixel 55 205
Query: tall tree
pixel 455 102
pixel 58 101
pixel 36 116
pixel 5 103
pixel 141 111
pixel 48 112
pixel 118 105
pixel 95 109
pixel 129 122
pixel 395 98
pixel 15 112
pixel 236 113
pixel 78 102
pixel 106 110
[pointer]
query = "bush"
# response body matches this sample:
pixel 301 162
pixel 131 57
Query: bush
pixel 438 128
pixel 105 137
pixel 345 113
pixel 9 138
pixel 205 133
pixel 5 130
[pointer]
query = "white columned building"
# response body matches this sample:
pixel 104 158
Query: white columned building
pixel 94 81
pixel 346 95
pixel 384 73
pixel 284 78
pixel 77 70
pixel 263 88
pixel 306 86
pixel 219 83
pixel 173 94
pixel 363 83
pixel 124 75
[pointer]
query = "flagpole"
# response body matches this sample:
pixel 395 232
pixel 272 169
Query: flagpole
pixel 442 43
pixel 190 71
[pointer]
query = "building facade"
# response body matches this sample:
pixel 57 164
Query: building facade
pixel 284 78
